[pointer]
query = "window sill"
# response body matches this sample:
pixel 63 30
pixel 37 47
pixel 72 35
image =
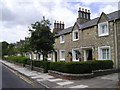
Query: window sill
pixel 49 59
pixel 62 59
pixel 75 39
pixel 104 59
pixel 75 60
pixel 62 42
pixel 101 35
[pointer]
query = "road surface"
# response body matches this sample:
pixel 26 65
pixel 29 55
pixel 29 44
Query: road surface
pixel 11 80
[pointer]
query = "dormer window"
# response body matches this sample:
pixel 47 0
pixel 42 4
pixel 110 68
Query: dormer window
pixel 62 39
pixel 103 29
pixel 75 35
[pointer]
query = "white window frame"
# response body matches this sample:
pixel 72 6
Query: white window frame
pixel 73 55
pixel 100 30
pixel 100 52
pixel 49 57
pixel 62 59
pixel 62 38
pixel 73 35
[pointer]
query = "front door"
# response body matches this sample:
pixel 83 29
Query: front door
pixel 88 55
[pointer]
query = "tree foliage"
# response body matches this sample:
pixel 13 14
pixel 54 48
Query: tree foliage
pixel 42 39
pixel 7 49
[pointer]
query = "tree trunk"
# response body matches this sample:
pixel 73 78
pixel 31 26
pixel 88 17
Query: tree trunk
pixel 44 56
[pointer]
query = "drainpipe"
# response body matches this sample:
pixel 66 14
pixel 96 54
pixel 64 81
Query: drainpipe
pixel 116 47
pixel 82 54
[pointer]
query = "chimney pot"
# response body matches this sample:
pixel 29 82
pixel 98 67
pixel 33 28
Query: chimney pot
pixel 79 9
pixel 88 11
pixel 85 10
pixel 82 9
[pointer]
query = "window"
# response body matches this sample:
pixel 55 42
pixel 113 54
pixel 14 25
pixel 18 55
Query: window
pixel 75 35
pixel 104 53
pixel 76 54
pixel 62 55
pixel 49 56
pixel 62 39
pixel 103 29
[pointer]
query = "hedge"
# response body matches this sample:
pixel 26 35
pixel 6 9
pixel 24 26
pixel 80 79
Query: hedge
pixel 41 64
pixel 81 67
pixel 24 60
pixel 101 64
pixel 71 67
pixel 17 59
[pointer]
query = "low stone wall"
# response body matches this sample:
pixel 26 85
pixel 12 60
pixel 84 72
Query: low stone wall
pixel 104 72
pixel 81 76
pixel 36 68
pixel 70 76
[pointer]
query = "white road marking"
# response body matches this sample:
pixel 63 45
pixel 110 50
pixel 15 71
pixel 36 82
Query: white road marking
pixel 79 86
pixel 53 80
pixel 40 80
pixel 65 83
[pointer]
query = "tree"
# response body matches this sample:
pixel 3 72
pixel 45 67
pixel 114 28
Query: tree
pixel 11 49
pixel 42 39
pixel 24 47
pixel 4 48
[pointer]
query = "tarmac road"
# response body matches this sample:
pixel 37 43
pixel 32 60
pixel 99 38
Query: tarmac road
pixel 11 80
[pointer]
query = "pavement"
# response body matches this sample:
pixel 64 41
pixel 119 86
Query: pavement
pixel 48 81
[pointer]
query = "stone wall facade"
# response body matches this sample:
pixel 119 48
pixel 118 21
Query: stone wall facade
pixel 90 40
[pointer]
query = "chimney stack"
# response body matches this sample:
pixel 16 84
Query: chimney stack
pixel 58 26
pixel 83 15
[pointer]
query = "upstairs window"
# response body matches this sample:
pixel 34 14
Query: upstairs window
pixel 75 35
pixel 103 29
pixel 62 39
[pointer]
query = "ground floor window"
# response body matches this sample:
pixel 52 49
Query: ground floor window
pixel 62 55
pixel 49 56
pixel 75 54
pixel 88 54
pixel 104 53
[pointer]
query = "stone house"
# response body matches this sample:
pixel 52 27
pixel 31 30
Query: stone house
pixel 96 39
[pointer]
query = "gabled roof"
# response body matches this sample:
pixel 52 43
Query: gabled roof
pixel 65 31
pixel 112 16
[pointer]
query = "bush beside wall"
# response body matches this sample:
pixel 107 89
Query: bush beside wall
pixel 81 67
pixel 17 59
pixel 71 67
pixel 101 64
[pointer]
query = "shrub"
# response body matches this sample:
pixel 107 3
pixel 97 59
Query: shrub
pixel 81 67
pixel 17 59
pixel 42 64
pixel 101 64
pixel 71 67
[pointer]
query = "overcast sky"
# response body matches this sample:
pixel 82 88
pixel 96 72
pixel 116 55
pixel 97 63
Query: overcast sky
pixel 17 15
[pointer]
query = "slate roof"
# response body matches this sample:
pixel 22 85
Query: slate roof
pixel 112 16
pixel 65 31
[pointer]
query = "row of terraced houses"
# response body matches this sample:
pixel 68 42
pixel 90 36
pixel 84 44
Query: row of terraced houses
pixel 96 39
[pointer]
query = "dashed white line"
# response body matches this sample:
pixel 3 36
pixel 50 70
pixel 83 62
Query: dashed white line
pixel 54 80
pixel 79 86
pixel 65 83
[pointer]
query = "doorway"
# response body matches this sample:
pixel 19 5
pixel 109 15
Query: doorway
pixel 88 54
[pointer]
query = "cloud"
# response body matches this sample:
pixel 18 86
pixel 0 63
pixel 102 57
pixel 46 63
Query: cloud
pixel 17 15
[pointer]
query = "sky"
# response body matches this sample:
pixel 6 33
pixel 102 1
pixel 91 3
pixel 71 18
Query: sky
pixel 17 15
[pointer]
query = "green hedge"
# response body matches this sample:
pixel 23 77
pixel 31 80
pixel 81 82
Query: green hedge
pixel 101 64
pixel 17 59
pixel 71 67
pixel 42 64
pixel 81 67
